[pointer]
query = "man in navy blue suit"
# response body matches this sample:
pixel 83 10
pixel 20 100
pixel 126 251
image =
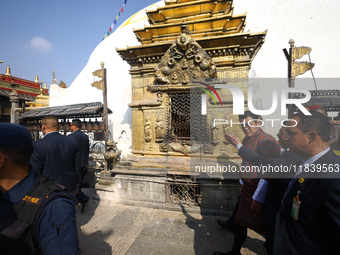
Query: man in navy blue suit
pixel 83 146
pixel 57 156
pixel 308 219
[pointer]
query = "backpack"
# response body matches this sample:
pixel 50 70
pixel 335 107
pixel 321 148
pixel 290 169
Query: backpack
pixel 18 228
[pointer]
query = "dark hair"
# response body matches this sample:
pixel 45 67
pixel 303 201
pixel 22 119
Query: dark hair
pixel 249 114
pixel 77 123
pixel 19 156
pixel 51 122
pixel 317 122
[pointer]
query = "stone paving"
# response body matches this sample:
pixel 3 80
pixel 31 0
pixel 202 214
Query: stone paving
pixel 106 228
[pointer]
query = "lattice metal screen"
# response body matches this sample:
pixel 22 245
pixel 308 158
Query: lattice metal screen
pixel 184 122
pixel 183 193
pixel 180 115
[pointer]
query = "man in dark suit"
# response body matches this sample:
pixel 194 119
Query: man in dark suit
pixel 308 219
pixel 275 181
pixel 57 156
pixel 83 146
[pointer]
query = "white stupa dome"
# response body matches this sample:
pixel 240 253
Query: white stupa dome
pixel 118 79
pixel 309 23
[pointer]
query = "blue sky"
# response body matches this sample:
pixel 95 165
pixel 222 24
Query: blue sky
pixel 41 35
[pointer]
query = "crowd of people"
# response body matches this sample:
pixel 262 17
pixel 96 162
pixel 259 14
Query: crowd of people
pixel 298 214
pixel 40 184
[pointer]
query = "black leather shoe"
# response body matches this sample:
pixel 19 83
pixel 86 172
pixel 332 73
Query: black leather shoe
pixel 85 204
pixel 226 224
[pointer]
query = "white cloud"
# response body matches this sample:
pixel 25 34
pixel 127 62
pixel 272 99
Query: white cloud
pixel 40 44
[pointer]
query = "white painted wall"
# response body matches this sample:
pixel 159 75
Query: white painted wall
pixel 56 94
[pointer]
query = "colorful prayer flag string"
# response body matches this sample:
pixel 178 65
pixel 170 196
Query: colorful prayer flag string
pixel 110 31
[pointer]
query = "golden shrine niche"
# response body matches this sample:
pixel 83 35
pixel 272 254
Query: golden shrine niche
pixel 185 41
pixel 188 42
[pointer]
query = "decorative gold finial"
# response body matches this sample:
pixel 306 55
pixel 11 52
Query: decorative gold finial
pixel 291 42
pixel 45 86
pixel 54 81
pixel 102 64
pixel 36 79
pixel 8 71
pixel 1 61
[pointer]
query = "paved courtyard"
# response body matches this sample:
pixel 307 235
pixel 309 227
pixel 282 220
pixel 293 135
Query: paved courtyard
pixel 106 228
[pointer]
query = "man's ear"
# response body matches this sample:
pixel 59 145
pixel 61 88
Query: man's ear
pixel 43 129
pixel 2 159
pixel 312 135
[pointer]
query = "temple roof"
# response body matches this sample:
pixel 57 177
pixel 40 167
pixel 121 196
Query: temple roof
pixel 5 92
pixel 210 23
pixel 218 25
pixel 88 110
pixel 245 44
pixel 22 86
pixel 185 11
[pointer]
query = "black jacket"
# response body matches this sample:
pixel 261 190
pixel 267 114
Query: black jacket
pixel 317 230
pixel 83 146
pixel 57 157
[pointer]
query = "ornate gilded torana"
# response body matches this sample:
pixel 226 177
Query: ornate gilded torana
pixel 184 60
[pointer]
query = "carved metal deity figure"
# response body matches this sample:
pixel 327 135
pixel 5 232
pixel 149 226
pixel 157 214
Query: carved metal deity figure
pixel 159 130
pixel 147 126
pixel 214 129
